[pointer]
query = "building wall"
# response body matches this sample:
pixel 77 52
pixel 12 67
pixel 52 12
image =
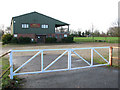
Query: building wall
pixel 33 32
pixel 34 36
pixel 34 18
pixel 58 36
pixel 11 27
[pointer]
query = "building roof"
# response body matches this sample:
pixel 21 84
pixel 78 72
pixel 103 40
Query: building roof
pixel 63 23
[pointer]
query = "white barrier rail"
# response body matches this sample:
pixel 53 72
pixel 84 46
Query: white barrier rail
pixel 44 70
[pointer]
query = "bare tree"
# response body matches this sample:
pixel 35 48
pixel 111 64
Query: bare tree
pixel 114 30
pixel 96 33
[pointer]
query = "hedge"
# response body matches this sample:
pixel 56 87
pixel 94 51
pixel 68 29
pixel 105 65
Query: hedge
pixel 68 39
pixel 6 38
pixel 14 40
pixel 51 40
pixel 23 40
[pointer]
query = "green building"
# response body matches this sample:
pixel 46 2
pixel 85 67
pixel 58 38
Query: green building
pixel 38 27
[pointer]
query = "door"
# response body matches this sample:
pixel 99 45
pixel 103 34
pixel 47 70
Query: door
pixel 41 38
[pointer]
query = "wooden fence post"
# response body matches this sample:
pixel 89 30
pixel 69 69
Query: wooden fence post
pixel 110 57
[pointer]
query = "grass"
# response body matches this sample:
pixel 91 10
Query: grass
pixel 90 39
pixel 100 61
pixel 6 81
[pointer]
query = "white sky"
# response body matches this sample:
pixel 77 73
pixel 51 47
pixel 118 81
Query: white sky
pixel 78 13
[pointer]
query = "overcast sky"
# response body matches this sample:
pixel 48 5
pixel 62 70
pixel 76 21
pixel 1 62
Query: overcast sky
pixel 78 13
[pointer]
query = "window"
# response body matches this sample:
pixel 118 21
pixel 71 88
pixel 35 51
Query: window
pixel 25 25
pixel 56 36
pixel 15 35
pixel 14 21
pixel 65 35
pixel 32 39
pixel 44 26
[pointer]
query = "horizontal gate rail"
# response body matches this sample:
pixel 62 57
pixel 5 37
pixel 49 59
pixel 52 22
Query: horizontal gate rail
pixel 59 70
pixel 69 51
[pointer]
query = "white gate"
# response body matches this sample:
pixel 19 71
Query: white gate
pixel 69 51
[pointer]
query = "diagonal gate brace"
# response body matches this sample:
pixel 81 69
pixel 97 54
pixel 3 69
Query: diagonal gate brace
pixel 27 61
pixel 55 60
pixel 100 55
pixel 81 57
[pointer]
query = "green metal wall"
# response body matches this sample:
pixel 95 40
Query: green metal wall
pixel 32 18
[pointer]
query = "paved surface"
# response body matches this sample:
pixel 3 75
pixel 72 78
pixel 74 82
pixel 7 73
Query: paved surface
pixel 99 77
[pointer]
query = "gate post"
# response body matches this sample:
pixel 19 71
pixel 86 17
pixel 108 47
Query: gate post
pixel 11 64
pixel 110 55
pixel 69 59
pixel 42 61
pixel 91 56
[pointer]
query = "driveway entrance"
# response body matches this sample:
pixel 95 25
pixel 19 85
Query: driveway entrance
pixel 41 38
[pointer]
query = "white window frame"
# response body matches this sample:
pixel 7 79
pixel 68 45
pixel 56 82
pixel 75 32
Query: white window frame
pixel 44 26
pixel 65 35
pixel 25 25
pixel 15 35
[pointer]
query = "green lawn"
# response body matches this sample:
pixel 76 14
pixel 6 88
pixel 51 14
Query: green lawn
pixel 91 39
pixel 6 81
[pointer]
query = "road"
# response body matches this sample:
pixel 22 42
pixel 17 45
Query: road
pixel 98 77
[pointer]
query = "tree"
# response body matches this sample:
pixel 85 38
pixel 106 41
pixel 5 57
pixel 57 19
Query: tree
pixel 96 33
pixel 114 30
pixel 87 32
pixel 62 30
pixel 79 33
pixel 73 33
pixel 1 30
pixel 103 34
pixel 83 34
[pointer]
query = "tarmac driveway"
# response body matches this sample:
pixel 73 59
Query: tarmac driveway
pixel 98 77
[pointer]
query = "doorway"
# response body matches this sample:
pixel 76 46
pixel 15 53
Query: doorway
pixel 41 38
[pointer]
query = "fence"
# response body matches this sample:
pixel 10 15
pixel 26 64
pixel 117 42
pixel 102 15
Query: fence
pixel 69 51
pixel 111 55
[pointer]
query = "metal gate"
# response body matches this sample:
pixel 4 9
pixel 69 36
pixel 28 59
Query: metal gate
pixel 69 51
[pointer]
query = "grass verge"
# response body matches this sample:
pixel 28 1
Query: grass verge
pixel 6 82
pixel 97 39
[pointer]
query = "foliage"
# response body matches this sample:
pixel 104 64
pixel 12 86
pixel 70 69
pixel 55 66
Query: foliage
pixel 113 31
pixel 68 39
pixel 14 40
pixel 23 40
pixel 96 33
pixel 6 81
pixel 87 32
pixel 6 38
pixel 51 40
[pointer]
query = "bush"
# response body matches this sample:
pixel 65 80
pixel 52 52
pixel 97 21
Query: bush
pixel 23 40
pixel 6 38
pixel 14 40
pixel 67 39
pixel 50 40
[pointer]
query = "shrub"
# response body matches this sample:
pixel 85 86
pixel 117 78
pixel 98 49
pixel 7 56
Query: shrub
pixel 23 40
pixel 6 38
pixel 51 40
pixel 14 40
pixel 68 39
